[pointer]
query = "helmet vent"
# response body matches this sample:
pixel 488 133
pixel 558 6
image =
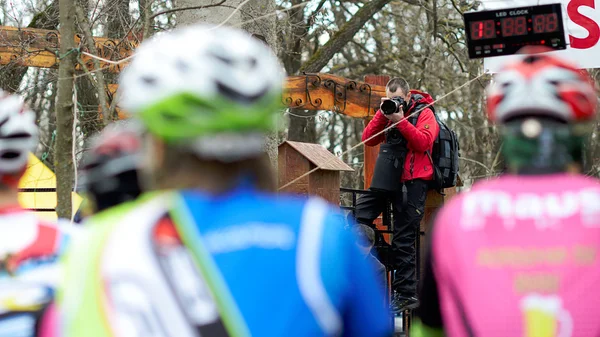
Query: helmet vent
pixel 532 59
pixel 182 66
pixel 253 62
pixel 149 80
pixel 222 58
pixel 235 95
pixel 17 135
pixel 170 117
pixel 10 155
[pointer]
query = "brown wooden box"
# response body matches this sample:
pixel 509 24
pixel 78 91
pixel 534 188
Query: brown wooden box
pixel 296 159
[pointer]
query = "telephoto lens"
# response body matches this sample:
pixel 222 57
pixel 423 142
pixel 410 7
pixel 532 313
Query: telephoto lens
pixel 389 107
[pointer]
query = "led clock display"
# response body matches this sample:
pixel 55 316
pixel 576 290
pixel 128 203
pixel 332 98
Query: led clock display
pixel 505 31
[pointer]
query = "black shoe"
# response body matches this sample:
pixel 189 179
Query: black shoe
pixel 401 303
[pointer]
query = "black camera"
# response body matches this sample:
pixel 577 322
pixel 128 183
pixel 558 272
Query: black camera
pixel 393 105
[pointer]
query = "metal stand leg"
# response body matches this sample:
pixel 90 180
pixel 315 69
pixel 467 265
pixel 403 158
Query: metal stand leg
pixel 406 321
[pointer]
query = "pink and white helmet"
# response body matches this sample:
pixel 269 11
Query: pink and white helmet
pixel 18 134
pixel 539 84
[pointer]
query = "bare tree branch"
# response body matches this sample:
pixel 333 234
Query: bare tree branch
pixel 312 16
pixel 343 36
pixel 187 8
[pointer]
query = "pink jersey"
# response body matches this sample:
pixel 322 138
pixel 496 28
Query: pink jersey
pixel 520 256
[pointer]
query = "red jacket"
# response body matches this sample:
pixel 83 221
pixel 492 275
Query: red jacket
pixel 420 138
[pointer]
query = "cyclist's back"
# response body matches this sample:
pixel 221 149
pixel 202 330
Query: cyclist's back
pixel 294 258
pixel 288 265
pixel 516 247
pixel 518 255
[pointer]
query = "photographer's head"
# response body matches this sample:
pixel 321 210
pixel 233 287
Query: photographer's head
pixel 397 98
pixel 398 87
pixel 546 108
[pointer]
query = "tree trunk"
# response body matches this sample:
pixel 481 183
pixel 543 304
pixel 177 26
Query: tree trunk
pixel 302 123
pixel 63 161
pixel 264 29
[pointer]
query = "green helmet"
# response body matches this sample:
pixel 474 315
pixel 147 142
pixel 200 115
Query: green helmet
pixel 215 90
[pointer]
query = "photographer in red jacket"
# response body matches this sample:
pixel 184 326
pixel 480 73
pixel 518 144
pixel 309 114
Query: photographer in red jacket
pixel 402 174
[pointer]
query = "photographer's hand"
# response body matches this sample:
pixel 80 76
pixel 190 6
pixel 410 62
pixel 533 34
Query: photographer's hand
pixel 395 117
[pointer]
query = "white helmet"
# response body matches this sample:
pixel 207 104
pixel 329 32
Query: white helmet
pixel 18 133
pixel 543 85
pixel 197 84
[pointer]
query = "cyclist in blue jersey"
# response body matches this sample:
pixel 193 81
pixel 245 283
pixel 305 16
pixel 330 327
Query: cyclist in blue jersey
pixel 212 250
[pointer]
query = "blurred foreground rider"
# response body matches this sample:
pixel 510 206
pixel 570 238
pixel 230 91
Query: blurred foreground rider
pixel 403 173
pixel 519 255
pixel 29 247
pixel 216 252
pixel 110 170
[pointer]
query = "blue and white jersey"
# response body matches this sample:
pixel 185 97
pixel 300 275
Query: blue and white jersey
pixel 240 264
pixel 291 267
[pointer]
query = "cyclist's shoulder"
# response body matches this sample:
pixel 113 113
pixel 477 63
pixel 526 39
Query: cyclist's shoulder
pixel 536 183
pixel 137 208
pixel 504 195
pixel 259 205
pixel 21 229
pixel 508 185
pixel 94 230
pixel 286 201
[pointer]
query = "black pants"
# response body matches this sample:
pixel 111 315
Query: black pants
pixel 407 217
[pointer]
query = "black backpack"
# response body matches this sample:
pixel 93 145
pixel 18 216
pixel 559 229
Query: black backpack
pixel 446 151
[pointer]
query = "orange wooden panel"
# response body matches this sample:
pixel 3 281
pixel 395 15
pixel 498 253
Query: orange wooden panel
pixel 34 47
pixel 328 92
pixel 323 92
pixel 38 47
pixel 371 152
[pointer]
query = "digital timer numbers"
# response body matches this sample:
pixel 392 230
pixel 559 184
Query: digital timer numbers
pixel 483 30
pixel 514 26
pixel 545 23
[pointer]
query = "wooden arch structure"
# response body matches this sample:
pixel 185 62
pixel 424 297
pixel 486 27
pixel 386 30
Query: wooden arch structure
pixel 360 99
